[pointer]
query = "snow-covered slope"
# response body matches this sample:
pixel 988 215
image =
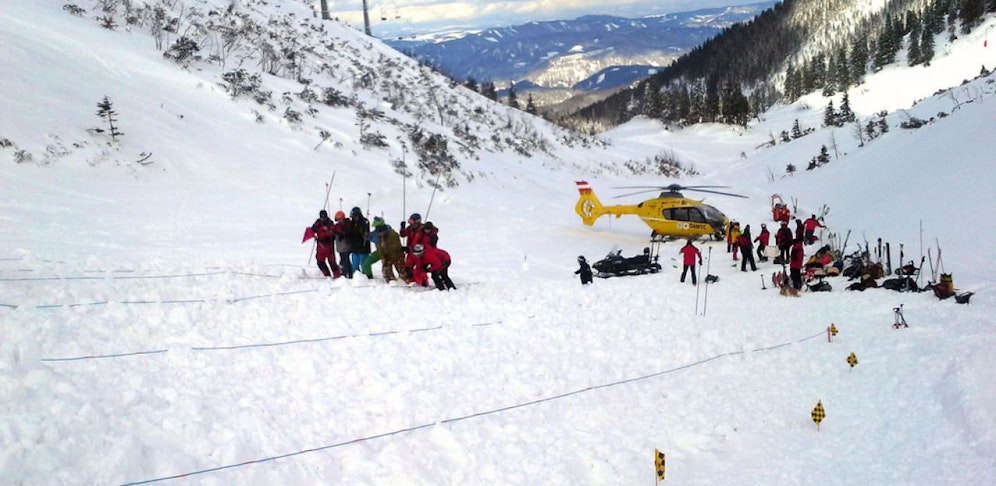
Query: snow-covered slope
pixel 159 323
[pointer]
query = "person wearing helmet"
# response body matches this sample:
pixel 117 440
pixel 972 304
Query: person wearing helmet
pixel 343 243
pixel 389 249
pixel 762 240
pixel 430 234
pixel 425 261
pixel 359 238
pixel 584 271
pixel 412 232
pixel 783 238
pixel 323 230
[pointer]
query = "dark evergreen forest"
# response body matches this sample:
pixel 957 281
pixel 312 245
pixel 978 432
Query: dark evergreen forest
pixel 794 48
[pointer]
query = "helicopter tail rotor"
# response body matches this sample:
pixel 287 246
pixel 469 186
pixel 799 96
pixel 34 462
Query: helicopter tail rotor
pixel 588 205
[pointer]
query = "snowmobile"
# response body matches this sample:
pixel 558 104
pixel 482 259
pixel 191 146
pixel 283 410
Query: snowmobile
pixel 616 265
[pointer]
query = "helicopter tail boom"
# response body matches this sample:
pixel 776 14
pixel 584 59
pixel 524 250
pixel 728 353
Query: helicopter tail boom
pixel 588 205
pixel 590 208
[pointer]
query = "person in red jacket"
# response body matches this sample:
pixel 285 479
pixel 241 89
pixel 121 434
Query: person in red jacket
pixel 762 242
pixel 798 254
pixel 689 254
pixel 412 232
pixel 810 226
pixel 324 231
pixel 424 261
pixel 430 234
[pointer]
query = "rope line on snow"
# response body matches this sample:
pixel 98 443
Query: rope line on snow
pixel 111 277
pixel 268 345
pixel 330 338
pixel 467 417
pixel 277 294
pixel 103 356
pixel 234 300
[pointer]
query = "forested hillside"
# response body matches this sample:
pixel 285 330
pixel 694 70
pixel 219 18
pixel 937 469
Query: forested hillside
pixel 790 50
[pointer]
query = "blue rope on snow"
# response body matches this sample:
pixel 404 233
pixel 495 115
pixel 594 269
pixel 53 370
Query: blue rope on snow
pixel 465 417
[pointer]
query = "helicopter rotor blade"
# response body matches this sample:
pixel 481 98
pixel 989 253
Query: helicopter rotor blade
pixel 719 192
pixel 637 192
pixel 672 187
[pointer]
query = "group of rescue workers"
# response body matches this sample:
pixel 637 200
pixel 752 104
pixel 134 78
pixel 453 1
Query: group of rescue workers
pixel 415 261
pixel 789 246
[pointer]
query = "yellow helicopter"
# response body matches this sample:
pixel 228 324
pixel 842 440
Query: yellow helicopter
pixel 669 215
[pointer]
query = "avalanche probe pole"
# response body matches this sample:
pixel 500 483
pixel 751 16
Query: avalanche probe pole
pixel 697 290
pixel 325 206
pixel 431 198
pixel 705 300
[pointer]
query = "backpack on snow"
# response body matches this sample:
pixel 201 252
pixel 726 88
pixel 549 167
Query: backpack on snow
pixel 821 286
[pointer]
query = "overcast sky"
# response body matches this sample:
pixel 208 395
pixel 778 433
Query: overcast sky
pixel 389 18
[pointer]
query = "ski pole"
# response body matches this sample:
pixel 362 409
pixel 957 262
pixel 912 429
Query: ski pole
pixel 697 291
pixel 325 206
pixel 705 300
pixel 431 198
pixel 328 191
pixel 404 182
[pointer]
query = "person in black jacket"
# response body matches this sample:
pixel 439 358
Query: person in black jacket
pixel 584 271
pixel 746 250
pixel 343 242
pixel 359 238
pixel 783 238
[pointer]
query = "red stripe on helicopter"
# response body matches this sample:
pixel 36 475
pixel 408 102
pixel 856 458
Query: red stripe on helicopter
pixel 583 187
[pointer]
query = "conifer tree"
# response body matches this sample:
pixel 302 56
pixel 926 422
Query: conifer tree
pixel 845 115
pixel 887 46
pixel 471 84
pixel 530 106
pixel 513 99
pixel 824 156
pixel 829 115
pixel 915 55
pixel 859 60
pixel 489 91
pixel 736 108
pixel 105 110
pixel 927 46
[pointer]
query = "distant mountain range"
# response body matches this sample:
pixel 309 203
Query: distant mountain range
pixel 587 54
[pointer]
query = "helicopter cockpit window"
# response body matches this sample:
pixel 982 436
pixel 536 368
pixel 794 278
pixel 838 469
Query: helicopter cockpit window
pixel 711 213
pixel 684 214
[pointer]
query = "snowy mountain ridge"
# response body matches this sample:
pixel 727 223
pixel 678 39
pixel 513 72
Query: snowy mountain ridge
pixel 163 323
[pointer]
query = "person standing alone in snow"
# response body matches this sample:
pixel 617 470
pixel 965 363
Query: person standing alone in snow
pixel 690 253
pixel 584 271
